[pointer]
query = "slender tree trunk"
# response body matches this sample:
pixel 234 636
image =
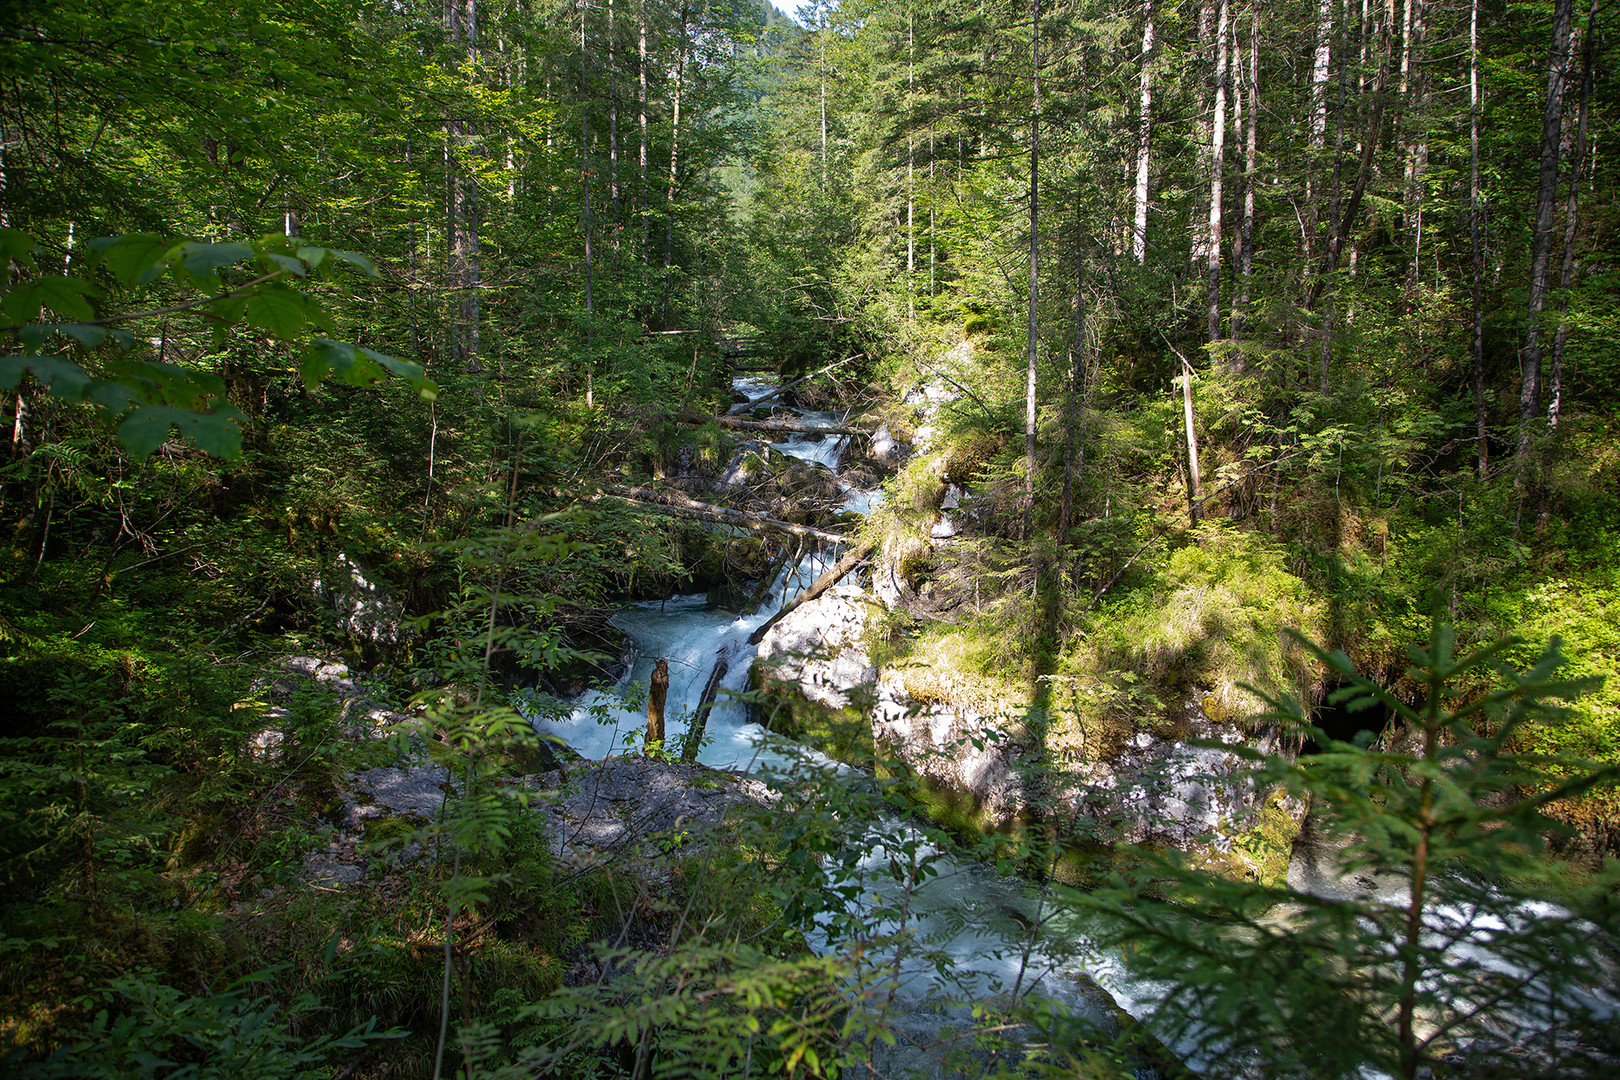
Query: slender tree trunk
pixel 641 102
pixel 911 172
pixel 1572 217
pixel 1203 135
pixel 821 68
pixel 1415 80
pixel 613 121
pixel 674 157
pixel 462 19
pixel 1034 266
pixel 1541 240
pixel 1317 146
pixel 1339 230
pixel 1144 137
pixel 1251 146
pixel 1074 406
pixel 1474 209
pixel 585 187
pixel 1195 488
pixel 1217 171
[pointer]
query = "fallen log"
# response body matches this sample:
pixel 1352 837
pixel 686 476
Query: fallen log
pixel 780 390
pixel 852 558
pixel 672 502
pixel 781 427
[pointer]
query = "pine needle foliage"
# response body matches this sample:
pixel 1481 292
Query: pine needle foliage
pixel 1453 945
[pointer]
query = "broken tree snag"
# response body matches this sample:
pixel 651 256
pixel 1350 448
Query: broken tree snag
pixel 852 558
pixel 784 427
pixel 700 719
pixel 780 390
pixel 673 502
pixel 658 692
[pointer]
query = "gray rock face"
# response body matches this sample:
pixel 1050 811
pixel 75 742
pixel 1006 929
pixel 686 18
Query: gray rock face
pixel 957 750
pixel 361 705
pixel 1316 866
pixel 1170 791
pixel 820 647
pixel 886 450
pixel 365 610
pixel 627 804
pixel 415 791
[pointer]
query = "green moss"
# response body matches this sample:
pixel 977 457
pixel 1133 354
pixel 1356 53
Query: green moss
pixel 842 734
pixel 392 828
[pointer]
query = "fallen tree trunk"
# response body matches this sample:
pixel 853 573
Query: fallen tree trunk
pixel 782 427
pixel 780 390
pixel 673 502
pixel 852 558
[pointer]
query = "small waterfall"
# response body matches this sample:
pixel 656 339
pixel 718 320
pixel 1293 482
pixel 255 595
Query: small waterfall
pixel 977 918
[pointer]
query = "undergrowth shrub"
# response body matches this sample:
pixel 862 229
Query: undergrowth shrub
pixel 1211 621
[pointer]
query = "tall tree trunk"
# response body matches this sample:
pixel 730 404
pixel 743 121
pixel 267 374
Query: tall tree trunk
pixel 821 68
pixel 1321 67
pixel 1474 210
pixel 1144 136
pixel 1203 134
pixel 1217 171
pixel 641 103
pixel 1034 266
pixel 1541 240
pixel 461 17
pixel 911 172
pixel 1572 217
pixel 613 121
pixel 1251 146
pixel 1339 230
pixel 1195 488
pixel 585 187
pixel 1074 405
pixel 674 158
pixel 1415 81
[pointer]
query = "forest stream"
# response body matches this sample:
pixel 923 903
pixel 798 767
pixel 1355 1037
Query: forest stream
pixel 979 919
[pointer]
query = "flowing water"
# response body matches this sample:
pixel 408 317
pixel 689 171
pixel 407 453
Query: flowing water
pixel 968 924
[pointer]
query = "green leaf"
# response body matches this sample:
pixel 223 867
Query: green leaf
pixel 66 296
pixel 65 378
pixel 90 337
pixel 356 259
pixel 414 374
pixel 216 433
pixel 314 256
pixel 321 358
pixel 134 259
pixel 146 429
pixel 17 245
pixel 278 310
pixel 21 302
pixel 285 262
pixel 34 336
pixel 202 262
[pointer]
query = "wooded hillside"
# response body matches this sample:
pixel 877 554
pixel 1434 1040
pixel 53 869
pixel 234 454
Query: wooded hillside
pixel 334 326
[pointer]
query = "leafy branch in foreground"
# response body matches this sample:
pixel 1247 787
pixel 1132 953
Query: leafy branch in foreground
pixel 1457 944
pixel 54 318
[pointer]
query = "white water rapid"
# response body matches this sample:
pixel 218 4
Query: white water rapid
pixel 972 918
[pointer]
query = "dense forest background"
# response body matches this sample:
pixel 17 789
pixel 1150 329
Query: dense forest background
pixel 1254 316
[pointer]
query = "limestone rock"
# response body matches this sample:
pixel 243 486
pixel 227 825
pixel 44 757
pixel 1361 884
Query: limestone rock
pixel 820 647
